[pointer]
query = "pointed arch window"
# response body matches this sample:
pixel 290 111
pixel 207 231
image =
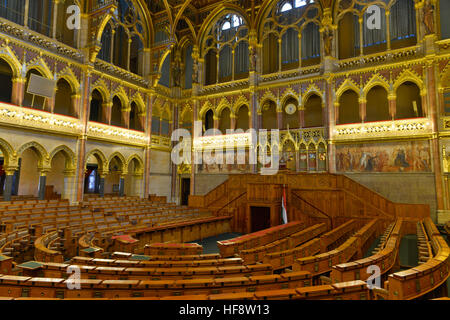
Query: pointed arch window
pixel 123 44
pixel 225 50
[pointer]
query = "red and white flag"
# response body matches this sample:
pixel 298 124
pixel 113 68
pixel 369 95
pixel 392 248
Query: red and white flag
pixel 283 206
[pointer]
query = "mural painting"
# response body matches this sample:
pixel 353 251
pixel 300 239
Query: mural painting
pixel 413 156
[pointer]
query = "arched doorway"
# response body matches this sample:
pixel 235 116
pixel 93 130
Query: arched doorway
pixel 348 108
pixel 269 115
pixel 242 118
pixel 29 172
pixel 116 112
pixel 63 99
pixel 6 75
pixel 114 181
pixel 313 112
pixel 96 108
pixel 133 179
pixel 377 105
pixel 225 121
pixel 409 101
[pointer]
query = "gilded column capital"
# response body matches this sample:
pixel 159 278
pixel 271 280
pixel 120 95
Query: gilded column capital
pixel 10 170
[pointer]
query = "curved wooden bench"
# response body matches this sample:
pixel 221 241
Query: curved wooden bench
pixel 257 254
pixel 56 287
pixel 384 259
pixel 42 252
pixel 233 246
pixel 173 249
pixel 415 282
pixel 323 262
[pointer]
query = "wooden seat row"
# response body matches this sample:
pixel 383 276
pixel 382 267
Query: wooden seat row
pixel 173 249
pixel 258 254
pixel 286 259
pixel 384 259
pixel 57 287
pixel 355 290
pixel 337 234
pixel 134 257
pixel 233 246
pixel 142 273
pixel 14 242
pixel 156 263
pixel 324 261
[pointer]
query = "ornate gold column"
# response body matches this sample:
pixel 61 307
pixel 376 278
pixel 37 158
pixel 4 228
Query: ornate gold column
pixel 280 119
pixel 55 17
pixel 232 122
pixel 81 143
pixel 148 131
pixel 126 117
pixel 18 88
pixel 362 109
pixel 434 115
pixel 392 98
pixel 76 105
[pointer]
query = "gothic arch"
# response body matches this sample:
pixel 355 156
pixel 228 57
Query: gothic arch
pixel 347 85
pixel 101 159
pixel 40 151
pixel 10 58
pixel 140 169
pixel 217 13
pixel 121 158
pixel 40 65
pixel 9 155
pixel 68 154
pixel 376 80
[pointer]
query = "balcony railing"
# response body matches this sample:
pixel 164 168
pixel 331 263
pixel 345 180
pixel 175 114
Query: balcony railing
pixel 382 129
pixel 116 134
pixel 21 117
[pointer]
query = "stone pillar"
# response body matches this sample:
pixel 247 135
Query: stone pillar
pixel 101 186
pixel 122 185
pixel 434 115
pixel 69 190
pixel 174 126
pixel 18 88
pixel 195 109
pixel 49 103
pixel 232 122
pixel 331 122
pixel 76 106
pixel 148 131
pixel 424 98
pixel 106 112
pixel 137 185
pixel 141 122
pixel 126 118
pixel 216 122
pixel 9 175
pixel 42 184
pixel 280 119
pixel 81 143
pixel 392 105
pixel 336 112
pixel 55 17
pixel 301 116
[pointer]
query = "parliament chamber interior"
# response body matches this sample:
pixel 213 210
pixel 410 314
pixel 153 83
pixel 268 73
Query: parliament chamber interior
pixel 224 150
